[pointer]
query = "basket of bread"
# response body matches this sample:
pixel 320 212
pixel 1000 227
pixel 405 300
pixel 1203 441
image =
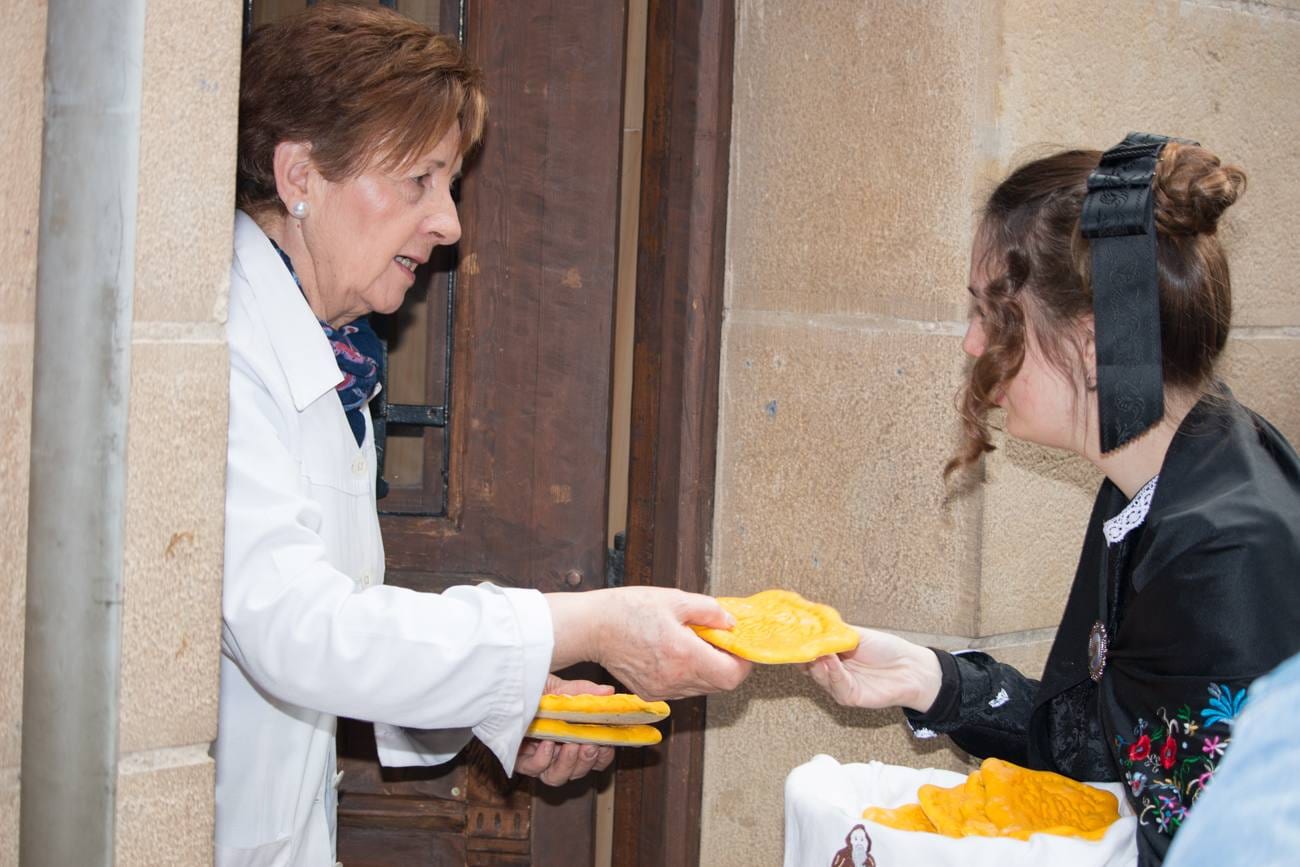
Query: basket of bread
pixel 999 815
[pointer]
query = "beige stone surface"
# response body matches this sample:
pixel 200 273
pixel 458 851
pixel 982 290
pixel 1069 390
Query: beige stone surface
pixel 634 82
pixel 15 444
pixel 832 444
pixel 624 315
pixel 778 720
pixel 165 810
pixel 1036 507
pixel 858 137
pixel 22 60
pixel 187 160
pixel 1224 73
pixel 9 813
pixel 1264 374
pixel 1026 652
pixel 174 525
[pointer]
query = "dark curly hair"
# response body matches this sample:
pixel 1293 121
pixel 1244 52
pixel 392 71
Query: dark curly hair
pixel 1029 234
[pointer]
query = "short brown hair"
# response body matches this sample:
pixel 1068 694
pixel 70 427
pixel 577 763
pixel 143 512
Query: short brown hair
pixel 365 86
pixel 1040 265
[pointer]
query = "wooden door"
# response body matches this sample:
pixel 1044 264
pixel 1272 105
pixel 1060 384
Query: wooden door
pixel 679 299
pixel 506 344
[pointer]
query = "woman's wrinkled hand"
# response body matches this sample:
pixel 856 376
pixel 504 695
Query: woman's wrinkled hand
pixel 883 671
pixel 649 645
pixel 555 763
pixel 642 637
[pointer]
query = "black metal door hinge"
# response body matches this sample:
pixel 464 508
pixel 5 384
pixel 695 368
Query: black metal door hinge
pixel 614 561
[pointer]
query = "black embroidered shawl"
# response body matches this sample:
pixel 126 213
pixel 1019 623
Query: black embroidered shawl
pixel 1208 600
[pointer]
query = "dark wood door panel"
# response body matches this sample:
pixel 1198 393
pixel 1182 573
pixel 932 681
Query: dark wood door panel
pixel 528 470
pixel 372 847
pixel 536 279
pixel 680 278
pixel 467 804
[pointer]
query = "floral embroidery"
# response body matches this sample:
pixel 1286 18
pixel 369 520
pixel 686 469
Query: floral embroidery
pixel 1168 753
pixel 1167 763
pixel 1225 706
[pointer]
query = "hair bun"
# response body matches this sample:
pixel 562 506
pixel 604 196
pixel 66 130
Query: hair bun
pixel 1193 189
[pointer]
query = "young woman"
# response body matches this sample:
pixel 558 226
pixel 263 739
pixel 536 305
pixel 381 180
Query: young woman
pixel 1099 287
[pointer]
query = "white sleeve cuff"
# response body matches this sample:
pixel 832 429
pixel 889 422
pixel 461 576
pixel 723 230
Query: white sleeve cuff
pixel 503 731
pixel 400 748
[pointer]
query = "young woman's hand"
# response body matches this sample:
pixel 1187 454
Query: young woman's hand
pixel 555 763
pixel 884 671
pixel 641 636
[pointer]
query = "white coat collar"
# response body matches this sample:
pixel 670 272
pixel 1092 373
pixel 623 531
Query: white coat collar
pixel 300 345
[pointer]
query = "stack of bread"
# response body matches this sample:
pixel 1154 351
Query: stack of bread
pixel 1005 800
pixel 619 720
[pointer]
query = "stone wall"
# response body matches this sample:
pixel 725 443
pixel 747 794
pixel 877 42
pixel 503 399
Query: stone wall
pixel 864 136
pixel 21 63
pixel 177 423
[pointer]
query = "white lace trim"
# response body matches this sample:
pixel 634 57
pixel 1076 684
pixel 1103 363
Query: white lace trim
pixel 923 733
pixel 1133 514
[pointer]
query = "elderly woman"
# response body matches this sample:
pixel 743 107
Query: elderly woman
pixel 354 122
pixel 1100 304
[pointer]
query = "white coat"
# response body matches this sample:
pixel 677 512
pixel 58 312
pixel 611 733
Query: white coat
pixel 310 632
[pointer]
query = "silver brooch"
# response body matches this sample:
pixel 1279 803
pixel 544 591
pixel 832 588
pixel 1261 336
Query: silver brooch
pixel 1098 645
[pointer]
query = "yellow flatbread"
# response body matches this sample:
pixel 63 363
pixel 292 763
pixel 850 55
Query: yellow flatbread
pixel 578 733
pixel 958 811
pixel 780 626
pixel 1005 800
pixel 1022 802
pixel 909 817
pixel 617 709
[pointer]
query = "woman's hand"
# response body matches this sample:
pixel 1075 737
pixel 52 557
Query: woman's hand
pixel 555 763
pixel 884 671
pixel 640 635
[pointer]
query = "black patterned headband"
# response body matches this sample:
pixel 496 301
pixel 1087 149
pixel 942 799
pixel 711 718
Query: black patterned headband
pixel 1119 219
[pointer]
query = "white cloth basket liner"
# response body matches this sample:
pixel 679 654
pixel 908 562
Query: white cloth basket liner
pixel 824 801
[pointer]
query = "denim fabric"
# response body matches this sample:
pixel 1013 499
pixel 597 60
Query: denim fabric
pixel 1250 812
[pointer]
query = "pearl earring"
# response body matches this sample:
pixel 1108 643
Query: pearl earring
pixel 299 209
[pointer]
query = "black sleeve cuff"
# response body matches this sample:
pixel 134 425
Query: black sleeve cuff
pixel 946 709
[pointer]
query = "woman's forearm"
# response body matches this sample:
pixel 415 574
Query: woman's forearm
pixel 927 678
pixel 576 620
